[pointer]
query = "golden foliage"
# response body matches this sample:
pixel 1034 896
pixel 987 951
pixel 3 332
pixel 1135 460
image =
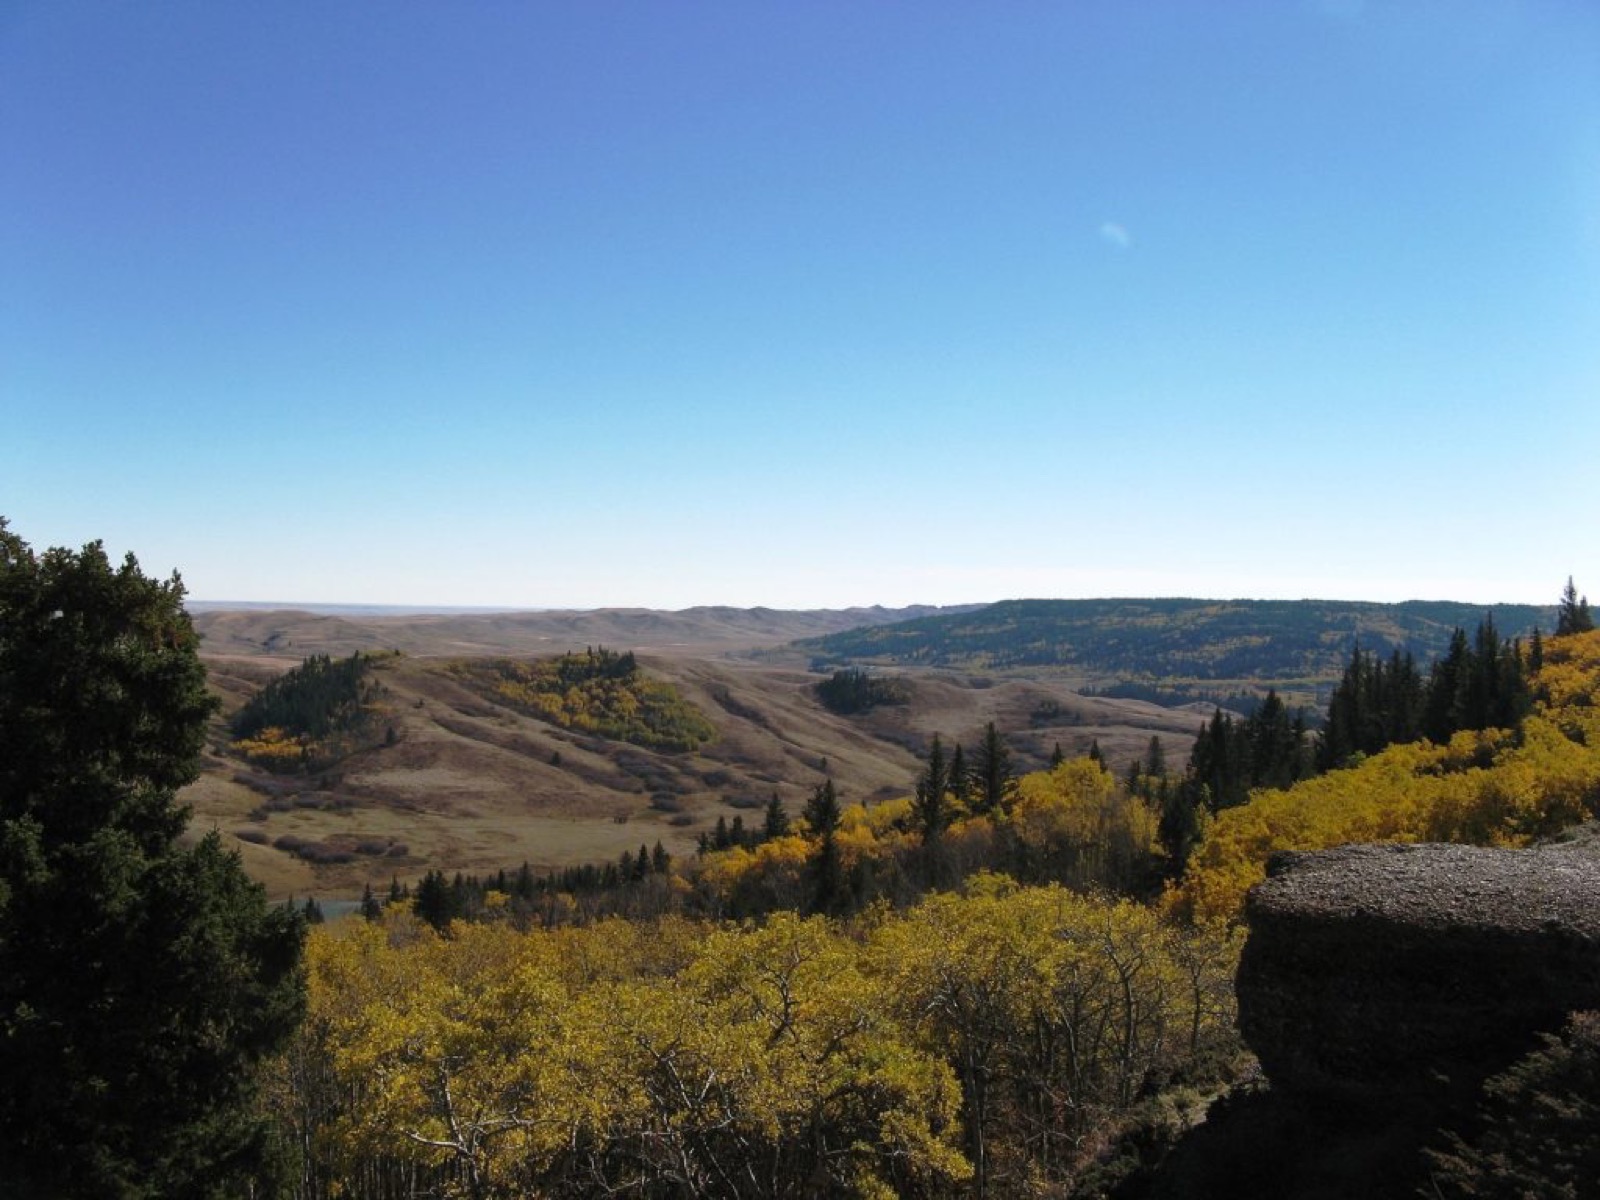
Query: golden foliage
pixel 795 1057
pixel 1490 788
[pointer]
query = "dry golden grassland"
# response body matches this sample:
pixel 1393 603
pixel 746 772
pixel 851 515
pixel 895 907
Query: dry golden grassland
pixel 465 784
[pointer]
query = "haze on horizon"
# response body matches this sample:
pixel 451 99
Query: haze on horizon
pixel 805 306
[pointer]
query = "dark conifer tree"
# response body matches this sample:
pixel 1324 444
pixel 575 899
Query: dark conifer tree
pixel 822 811
pixel 1447 687
pixel 776 824
pixel 960 775
pixel 993 771
pixel 1573 615
pixel 930 807
pixel 142 981
pixel 822 814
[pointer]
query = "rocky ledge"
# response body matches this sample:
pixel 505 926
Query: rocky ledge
pixel 1399 973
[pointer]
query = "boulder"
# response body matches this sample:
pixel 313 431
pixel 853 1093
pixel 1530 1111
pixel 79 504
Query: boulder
pixel 1386 975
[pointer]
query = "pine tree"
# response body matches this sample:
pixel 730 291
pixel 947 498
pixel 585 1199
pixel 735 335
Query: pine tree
pixel 1573 615
pixel 141 981
pixel 822 810
pixel 371 910
pixel 776 824
pixel 436 901
pixel 1057 757
pixel 960 776
pixel 822 814
pixel 930 807
pixel 993 771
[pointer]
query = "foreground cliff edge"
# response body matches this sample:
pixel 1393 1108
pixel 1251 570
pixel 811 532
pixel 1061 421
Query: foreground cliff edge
pixel 1381 986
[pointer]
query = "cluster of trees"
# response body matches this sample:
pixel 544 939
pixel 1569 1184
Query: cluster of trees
pixel 1229 759
pixel 308 714
pixel 599 692
pixel 1482 787
pixel 1477 684
pixel 984 1043
pixel 525 899
pixel 853 690
pixel 143 981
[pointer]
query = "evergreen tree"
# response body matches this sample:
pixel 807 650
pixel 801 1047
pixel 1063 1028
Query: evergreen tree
pixel 960 776
pixel 993 771
pixel 1573 615
pixel 822 814
pixel 1057 757
pixel 776 824
pixel 930 808
pixel 822 810
pixel 141 981
pixel 1179 828
pixel 434 901
pixel 370 908
pixel 1447 685
pixel 1096 755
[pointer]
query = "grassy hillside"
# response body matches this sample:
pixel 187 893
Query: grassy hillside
pixel 469 781
pixel 1168 639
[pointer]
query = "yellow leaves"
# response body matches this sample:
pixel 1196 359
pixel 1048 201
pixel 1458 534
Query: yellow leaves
pixel 593 695
pixel 668 1055
pixel 1490 788
pixel 273 748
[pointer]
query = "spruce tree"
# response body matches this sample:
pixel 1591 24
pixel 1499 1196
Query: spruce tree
pixel 776 824
pixel 822 810
pixel 1573 615
pixel 931 811
pixel 142 982
pixel 960 776
pixel 993 771
pixel 822 814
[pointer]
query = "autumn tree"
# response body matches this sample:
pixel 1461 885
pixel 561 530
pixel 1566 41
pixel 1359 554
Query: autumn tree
pixel 142 981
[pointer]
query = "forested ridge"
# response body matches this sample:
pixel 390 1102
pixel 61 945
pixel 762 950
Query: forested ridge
pixel 1171 638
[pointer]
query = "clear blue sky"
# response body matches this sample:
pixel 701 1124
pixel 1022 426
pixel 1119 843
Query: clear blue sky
pixel 805 304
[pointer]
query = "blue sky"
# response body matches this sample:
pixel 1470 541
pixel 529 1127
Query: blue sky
pixel 587 304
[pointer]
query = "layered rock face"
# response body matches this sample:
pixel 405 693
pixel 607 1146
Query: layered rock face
pixel 1391 974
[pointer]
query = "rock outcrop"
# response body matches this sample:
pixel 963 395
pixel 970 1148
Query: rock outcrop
pixel 1393 975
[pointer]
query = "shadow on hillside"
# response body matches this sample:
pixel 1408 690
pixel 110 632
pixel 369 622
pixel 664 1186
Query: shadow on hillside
pixel 1258 1142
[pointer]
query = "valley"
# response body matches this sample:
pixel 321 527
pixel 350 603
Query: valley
pixel 466 784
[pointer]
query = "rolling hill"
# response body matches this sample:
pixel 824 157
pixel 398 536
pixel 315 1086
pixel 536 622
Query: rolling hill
pixel 1234 640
